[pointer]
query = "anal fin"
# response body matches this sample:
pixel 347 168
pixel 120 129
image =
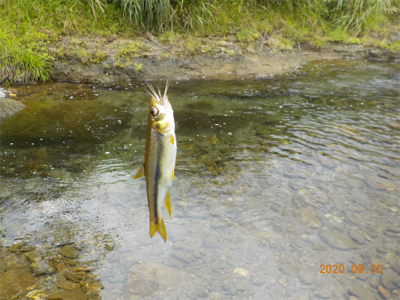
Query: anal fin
pixel 167 203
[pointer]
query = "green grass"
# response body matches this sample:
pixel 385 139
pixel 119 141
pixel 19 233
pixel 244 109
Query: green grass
pixel 27 28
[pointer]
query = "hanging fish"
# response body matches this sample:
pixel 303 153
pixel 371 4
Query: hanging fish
pixel 159 158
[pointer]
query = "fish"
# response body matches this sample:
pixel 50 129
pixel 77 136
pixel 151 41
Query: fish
pixel 159 159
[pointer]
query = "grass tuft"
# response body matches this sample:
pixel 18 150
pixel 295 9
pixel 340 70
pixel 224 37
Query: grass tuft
pixel 27 28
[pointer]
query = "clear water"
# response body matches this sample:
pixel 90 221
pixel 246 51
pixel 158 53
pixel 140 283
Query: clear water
pixel 275 179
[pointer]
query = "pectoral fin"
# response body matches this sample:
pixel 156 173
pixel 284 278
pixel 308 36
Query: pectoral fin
pixel 171 139
pixel 167 203
pixel 139 173
pixel 160 227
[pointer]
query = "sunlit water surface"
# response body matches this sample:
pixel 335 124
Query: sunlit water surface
pixel 275 179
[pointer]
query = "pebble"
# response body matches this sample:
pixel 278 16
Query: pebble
pixel 362 292
pixel 282 281
pixel 307 275
pixel 38 265
pixel 287 269
pixel 374 281
pixel 15 247
pixel 68 295
pixel 67 285
pixel 212 240
pixel 241 272
pixel 381 183
pixel 318 246
pixel 390 279
pixel 27 248
pixel 181 255
pixel 337 240
pixel 357 236
pixel 395 265
pixel 395 229
pixel 259 279
pixel 74 277
pixel 355 183
pixel 37 294
pixel 69 251
pixel 384 292
pixel 145 280
pixel 323 294
pixel 15 280
pixel 309 218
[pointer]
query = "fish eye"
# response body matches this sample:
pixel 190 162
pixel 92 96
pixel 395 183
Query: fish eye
pixel 154 112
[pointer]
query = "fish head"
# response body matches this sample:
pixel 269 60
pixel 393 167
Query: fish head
pixel 161 114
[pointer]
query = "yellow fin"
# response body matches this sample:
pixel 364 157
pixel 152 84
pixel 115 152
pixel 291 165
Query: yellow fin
pixel 172 175
pixel 171 139
pixel 160 227
pixel 139 173
pixel 167 203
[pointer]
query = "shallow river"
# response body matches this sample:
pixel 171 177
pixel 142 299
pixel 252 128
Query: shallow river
pixel 285 188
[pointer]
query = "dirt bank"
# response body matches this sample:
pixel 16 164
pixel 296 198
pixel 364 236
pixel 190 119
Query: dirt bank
pixel 112 60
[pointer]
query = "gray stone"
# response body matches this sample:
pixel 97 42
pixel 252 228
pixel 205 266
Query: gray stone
pixel 395 264
pixel 287 269
pixel 309 218
pixel 357 236
pixel 9 107
pixel 323 294
pixel 2 94
pixel 394 229
pixel 390 279
pixel 337 240
pixel 381 183
pixel 307 275
pixel 374 281
pixel 258 279
pixel 146 280
pixel 318 246
pixel 362 292
pixel 181 255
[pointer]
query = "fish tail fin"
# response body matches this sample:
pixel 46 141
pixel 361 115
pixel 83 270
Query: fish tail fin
pixel 160 227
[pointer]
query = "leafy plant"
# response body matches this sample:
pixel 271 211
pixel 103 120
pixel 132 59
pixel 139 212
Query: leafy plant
pixel 138 67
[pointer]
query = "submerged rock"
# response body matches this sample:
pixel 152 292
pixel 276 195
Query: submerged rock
pixel 70 295
pixel 307 275
pixel 14 281
pixel 38 265
pixel 309 218
pixel 145 280
pixel 337 240
pixel 15 247
pixel 9 107
pixel 69 251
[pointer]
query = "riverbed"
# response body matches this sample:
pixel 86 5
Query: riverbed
pixel 276 178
